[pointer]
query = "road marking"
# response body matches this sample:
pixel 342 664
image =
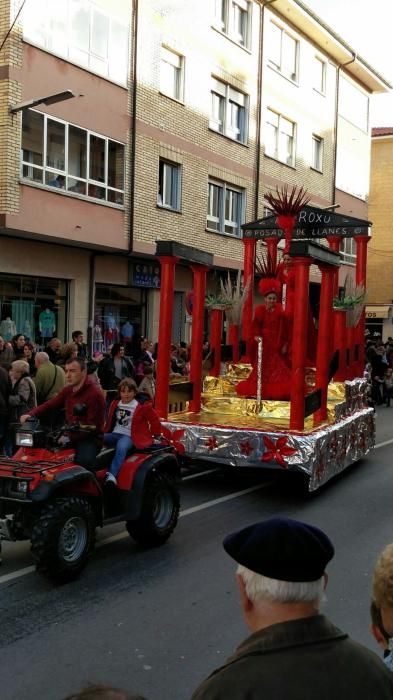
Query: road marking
pixel 382 444
pixel 123 535
pixel 195 476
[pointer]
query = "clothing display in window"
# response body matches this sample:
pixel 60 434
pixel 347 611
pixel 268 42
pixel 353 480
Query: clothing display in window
pixel 127 331
pixel 7 328
pixel 47 323
pixel 111 329
pixel 23 315
pixel 98 340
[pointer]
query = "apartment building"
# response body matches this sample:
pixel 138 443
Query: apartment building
pixel 379 310
pixel 183 115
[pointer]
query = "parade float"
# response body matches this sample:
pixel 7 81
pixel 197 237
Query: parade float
pixel 295 399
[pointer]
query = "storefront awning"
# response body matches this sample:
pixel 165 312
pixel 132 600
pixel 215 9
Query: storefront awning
pixel 381 311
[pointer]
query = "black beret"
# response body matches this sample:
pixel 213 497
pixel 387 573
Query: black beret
pixel 281 548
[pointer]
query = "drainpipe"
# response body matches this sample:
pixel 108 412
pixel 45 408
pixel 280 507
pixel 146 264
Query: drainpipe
pixel 259 105
pixel 335 128
pixel 134 83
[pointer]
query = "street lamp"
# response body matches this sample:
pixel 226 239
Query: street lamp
pixel 48 100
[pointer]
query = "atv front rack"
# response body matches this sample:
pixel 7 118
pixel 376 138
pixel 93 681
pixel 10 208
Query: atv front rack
pixel 13 466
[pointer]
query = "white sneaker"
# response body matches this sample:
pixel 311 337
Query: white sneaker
pixel 110 479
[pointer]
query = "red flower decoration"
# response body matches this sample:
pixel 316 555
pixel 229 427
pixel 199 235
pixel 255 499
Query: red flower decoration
pixel 245 448
pixel 174 438
pixel 276 451
pixel 212 443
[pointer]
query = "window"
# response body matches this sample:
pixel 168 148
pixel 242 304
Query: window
pixel 172 74
pixel 348 250
pixel 64 156
pixel 233 17
pixel 169 185
pixel 280 138
pixel 283 51
pixel 317 153
pixel 319 75
pixel 353 104
pixel 225 208
pixel 79 31
pixel 229 111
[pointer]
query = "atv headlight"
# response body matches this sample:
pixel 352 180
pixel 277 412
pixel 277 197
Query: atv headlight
pixel 24 439
pixel 21 487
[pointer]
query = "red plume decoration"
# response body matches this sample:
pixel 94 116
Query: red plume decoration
pixel 286 204
pixel 267 269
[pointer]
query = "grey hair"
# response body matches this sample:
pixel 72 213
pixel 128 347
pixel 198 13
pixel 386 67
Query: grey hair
pixel 21 366
pixel 42 357
pixel 260 587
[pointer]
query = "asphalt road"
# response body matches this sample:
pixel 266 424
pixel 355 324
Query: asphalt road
pixel 156 622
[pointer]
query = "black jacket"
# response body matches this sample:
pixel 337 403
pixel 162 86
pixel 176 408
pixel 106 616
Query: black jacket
pixel 106 372
pixel 5 390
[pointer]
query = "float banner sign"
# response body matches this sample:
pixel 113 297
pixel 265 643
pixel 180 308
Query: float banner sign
pixel 311 222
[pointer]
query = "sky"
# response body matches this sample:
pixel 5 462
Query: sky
pixel 366 25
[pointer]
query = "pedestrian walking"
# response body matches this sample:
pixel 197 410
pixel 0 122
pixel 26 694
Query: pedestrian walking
pixel 49 378
pixel 21 400
pixel 5 390
pixel 293 652
pixel 382 604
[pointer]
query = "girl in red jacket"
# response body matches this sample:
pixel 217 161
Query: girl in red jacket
pixel 131 422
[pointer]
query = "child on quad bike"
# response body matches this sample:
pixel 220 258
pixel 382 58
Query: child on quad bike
pixel 132 422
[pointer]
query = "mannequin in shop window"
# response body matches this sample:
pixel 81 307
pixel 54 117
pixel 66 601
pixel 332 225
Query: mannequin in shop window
pixel 47 324
pixel 98 340
pixel 111 330
pixel 7 329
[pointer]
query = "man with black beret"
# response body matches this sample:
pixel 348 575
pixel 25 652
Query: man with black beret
pixel 294 652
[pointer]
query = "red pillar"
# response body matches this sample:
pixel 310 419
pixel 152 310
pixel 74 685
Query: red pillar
pixel 197 335
pixel 215 339
pixel 325 332
pixel 272 244
pixel 233 340
pixel 340 335
pixel 249 267
pixel 165 333
pixel 335 245
pixel 299 343
pixel 361 268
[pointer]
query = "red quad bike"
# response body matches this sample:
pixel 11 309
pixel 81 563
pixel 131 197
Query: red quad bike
pixel 47 498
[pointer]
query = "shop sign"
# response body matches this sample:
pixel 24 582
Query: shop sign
pixel 310 222
pixel 146 275
pixel 377 311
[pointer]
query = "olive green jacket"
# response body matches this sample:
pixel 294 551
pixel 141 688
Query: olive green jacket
pixel 49 380
pixel 305 659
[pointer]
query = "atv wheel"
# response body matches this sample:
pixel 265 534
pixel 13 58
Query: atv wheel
pixel 63 537
pixel 159 512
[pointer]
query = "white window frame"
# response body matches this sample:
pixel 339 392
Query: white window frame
pixel 56 171
pixel 226 16
pixel 278 151
pixel 348 250
pixel 226 97
pixel 216 221
pixel 174 171
pixel 279 64
pixel 320 70
pixel 176 62
pixel 317 152
pixel 107 65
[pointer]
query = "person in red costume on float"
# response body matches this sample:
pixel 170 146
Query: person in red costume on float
pixel 269 324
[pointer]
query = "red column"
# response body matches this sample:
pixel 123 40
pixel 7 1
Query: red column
pixel 325 332
pixel 165 334
pixel 361 268
pixel 272 244
pixel 215 339
pixel 197 335
pixel 340 335
pixel 249 267
pixel 299 343
pixel 335 244
pixel 233 339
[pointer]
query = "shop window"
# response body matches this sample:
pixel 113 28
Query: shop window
pixel 90 165
pixel 229 111
pixel 225 208
pixel 348 250
pixel 34 306
pixel 119 317
pixel 79 31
